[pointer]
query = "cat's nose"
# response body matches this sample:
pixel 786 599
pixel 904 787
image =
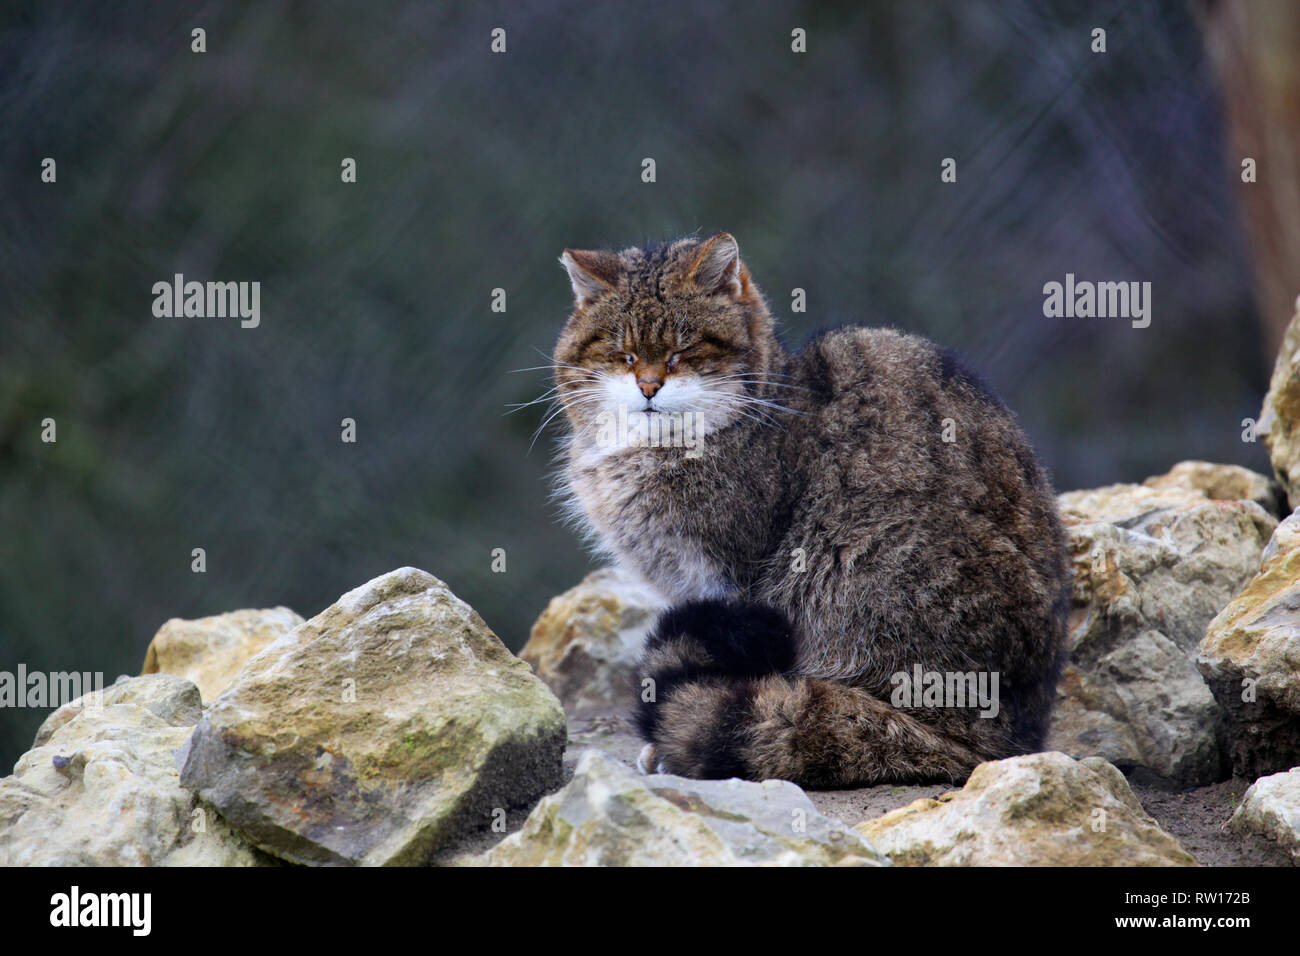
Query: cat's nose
pixel 649 386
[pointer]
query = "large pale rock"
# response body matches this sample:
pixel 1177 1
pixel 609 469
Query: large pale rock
pixel 210 651
pixel 1251 659
pixel 1221 483
pixel 609 815
pixel 1038 810
pixel 1279 420
pixel 100 787
pixel 585 644
pixel 1152 566
pixel 1271 808
pixel 378 732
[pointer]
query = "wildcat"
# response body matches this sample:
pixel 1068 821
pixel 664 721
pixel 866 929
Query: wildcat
pixel 852 517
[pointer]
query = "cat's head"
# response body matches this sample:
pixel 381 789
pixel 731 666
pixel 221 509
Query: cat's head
pixel 665 331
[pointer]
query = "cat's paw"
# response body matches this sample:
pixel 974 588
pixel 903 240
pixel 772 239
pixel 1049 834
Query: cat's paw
pixel 647 761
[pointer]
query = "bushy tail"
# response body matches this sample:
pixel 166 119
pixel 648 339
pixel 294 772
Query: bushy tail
pixel 722 704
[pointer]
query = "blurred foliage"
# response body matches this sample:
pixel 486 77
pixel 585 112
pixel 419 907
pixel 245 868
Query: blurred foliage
pixel 475 170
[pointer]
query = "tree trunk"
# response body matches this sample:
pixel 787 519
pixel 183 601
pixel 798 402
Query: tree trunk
pixel 1254 46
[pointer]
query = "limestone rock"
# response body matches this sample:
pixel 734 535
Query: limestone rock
pixel 1222 483
pixel 1143 705
pixel 1279 420
pixel 585 644
pixel 173 700
pixel 1271 808
pixel 609 815
pixel 1037 810
pixel 100 787
pixel 1152 566
pixel 1251 659
pixel 379 731
pixel 210 651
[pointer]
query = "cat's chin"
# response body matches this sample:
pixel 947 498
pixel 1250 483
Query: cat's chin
pixel 621 429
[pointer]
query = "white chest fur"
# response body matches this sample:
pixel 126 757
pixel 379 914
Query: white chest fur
pixel 644 533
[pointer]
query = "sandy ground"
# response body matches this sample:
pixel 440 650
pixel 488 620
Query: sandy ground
pixel 1196 818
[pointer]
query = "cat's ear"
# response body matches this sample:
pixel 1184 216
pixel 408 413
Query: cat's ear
pixel 592 273
pixel 716 266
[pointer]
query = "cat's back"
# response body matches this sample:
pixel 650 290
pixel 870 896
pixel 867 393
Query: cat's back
pixel 902 374
pixel 897 396
pixel 887 416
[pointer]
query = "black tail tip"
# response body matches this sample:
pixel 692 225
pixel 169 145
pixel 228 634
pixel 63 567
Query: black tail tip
pixel 744 639
pixel 712 642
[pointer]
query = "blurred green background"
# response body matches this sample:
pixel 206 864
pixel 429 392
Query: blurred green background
pixel 475 170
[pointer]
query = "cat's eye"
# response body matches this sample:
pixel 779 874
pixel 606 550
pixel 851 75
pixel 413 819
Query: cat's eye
pixel 674 359
pixel 630 358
